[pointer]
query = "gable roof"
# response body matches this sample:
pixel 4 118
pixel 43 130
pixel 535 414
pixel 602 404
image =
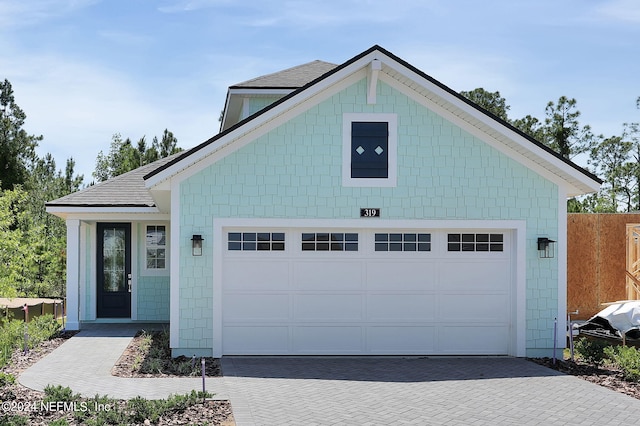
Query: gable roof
pixel 412 79
pixel 125 190
pixel 291 78
pixel 133 189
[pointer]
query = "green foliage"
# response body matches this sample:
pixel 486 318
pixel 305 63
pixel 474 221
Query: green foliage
pixel 124 156
pixel 627 359
pixel 562 130
pixel 491 101
pixel 14 421
pixel 143 409
pixel 59 393
pixel 6 379
pixel 17 148
pixel 12 334
pixel 59 422
pixel 591 350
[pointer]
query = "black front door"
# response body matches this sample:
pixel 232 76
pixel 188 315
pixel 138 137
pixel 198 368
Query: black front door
pixel 114 270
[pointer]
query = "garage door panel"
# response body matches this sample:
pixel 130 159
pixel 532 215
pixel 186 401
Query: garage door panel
pixel 247 340
pixel 256 307
pixel 327 307
pixel 367 301
pixel 261 274
pixel 327 274
pixel 338 340
pixel 401 340
pixel 473 340
pixel 401 275
pixel 403 307
pixel 474 276
pixel 481 307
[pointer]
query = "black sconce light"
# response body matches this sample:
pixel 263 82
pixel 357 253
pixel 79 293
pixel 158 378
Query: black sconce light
pixel 196 245
pixel 545 247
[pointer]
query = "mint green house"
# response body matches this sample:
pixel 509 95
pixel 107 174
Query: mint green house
pixel 362 208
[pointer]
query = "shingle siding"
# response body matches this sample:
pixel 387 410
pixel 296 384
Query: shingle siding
pixel 294 171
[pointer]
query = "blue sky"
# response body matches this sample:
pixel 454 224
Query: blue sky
pixel 83 70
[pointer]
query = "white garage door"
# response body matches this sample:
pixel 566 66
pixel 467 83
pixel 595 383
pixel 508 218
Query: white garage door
pixel 382 291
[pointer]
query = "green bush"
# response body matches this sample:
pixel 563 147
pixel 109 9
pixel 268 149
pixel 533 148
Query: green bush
pixel 591 351
pixel 627 359
pixel 59 394
pixel 12 333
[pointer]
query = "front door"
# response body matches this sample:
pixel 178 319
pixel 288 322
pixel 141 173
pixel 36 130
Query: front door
pixel 114 270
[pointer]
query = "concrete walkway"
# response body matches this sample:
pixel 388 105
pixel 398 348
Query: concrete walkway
pixel 84 364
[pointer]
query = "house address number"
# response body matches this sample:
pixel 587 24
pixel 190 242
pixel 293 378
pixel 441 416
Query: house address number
pixel 369 212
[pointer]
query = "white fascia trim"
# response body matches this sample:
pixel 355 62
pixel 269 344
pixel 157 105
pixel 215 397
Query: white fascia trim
pixel 117 217
pixel 243 136
pixel 65 211
pixel 174 273
pixel 250 92
pixel 268 120
pixel 465 108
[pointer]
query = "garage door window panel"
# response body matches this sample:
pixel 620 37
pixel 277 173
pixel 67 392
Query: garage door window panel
pixel 255 241
pixel 468 242
pixel 329 241
pixel 402 242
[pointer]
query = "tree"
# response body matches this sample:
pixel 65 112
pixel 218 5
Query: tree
pixel 562 131
pixel 610 157
pixel 17 148
pixel 531 126
pixel 491 101
pixel 124 157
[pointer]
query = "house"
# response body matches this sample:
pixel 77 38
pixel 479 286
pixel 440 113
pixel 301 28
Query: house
pixel 361 208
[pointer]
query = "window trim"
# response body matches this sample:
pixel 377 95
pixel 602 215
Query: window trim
pixel 145 270
pixel 392 179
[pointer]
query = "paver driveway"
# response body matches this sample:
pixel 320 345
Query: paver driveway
pixel 435 391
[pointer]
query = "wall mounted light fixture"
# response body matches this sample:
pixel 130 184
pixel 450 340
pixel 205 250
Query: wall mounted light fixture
pixel 196 245
pixel 545 247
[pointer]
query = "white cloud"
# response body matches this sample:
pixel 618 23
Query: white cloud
pixel 174 6
pixel 621 10
pixel 22 13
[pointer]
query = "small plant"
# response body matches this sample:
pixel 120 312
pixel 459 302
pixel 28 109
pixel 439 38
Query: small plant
pixel 153 365
pixel 627 359
pixel 591 351
pixel 59 394
pixel 6 379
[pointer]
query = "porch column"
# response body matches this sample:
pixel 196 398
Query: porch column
pixel 73 274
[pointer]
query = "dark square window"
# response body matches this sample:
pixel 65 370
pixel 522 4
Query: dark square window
pixel 369 149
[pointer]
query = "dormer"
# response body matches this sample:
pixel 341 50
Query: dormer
pixel 249 97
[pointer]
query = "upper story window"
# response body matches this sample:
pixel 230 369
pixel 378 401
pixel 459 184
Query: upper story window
pixel 156 247
pixel 369 150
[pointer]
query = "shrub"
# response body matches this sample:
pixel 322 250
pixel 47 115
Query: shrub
pixel 591 351
pixel 627 359
pixel 6 379
pixel 59 394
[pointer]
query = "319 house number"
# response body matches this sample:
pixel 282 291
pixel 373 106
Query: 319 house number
pixel 369 212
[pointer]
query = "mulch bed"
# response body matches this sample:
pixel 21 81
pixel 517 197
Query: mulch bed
pixel 606 376
pixel 156 361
